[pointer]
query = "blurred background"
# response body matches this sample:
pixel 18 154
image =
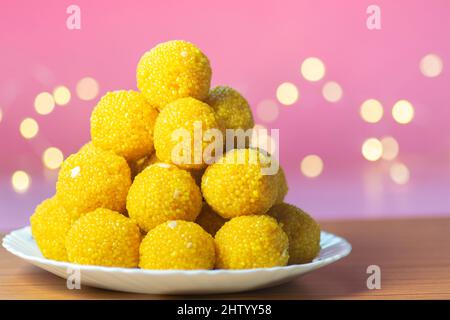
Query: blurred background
pixel 360 94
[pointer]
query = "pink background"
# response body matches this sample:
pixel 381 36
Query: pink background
pixel 253 46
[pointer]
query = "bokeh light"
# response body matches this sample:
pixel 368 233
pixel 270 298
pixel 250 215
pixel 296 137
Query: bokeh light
pixel 311 166
pixel 1 114
pixel 52 158
pixel 44 103
pixel 332 91
pixel 87 88
pixel 29 128
pixel 313 69
pixel 267 110
pixel 372 149
pixel 262 140
pixel 431 65
pixel 399 173
pixel 403 111
pixel 61 95
pixel 20 181
pixel 287 93
pixel 371 111
pixel 390 148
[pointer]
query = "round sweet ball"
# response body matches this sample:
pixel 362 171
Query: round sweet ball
pixel 93 178
pixel 232 110
pixel 50 223
pixel 123 122
pixel 180 133
pixel 179 245
pixel 210 220
pixel 237 184
pixel 138 166
pixel 251 242
pixel 195 173
pixel 105 238
pixel 173 70
pixel 302 230
pixel 163 192
pixel 282 186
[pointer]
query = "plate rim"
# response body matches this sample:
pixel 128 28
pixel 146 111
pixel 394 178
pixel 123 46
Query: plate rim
pixel 6 243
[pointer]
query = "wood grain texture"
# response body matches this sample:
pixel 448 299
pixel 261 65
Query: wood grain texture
pixel 414 257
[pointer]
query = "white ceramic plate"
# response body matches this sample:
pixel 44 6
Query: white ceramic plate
pixel 21 243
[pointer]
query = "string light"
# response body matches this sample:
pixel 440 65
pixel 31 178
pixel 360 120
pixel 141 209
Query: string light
pixel 87 88
pixel 52 158
pixel 29 128
pixel 390 148
pixel 371 111
pixel 61 95
pixel 403 111
pixel 20 181
pixel 332 91
pixel 399 173
pixel 372 149
pixel 287 93
pixel 311 166
pixel 431 65
pixel 44 103
pixel 313 69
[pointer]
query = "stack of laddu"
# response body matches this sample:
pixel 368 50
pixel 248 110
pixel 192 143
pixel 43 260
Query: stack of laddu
pixel 122 201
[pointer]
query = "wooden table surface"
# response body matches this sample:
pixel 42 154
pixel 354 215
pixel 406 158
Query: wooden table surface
pixel 413 255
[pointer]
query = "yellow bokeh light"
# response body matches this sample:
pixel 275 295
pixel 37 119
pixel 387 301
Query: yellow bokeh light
pixel 390 148
pixel 1 114
pixel 403 111
pixel 371 111
pixel 20 181
pixel 431 65
pixel 332 91
pixel 399 173
pixel 87 88
pixel 29 128
pixel 52 158
pixel 313 69
pixel 61 95
pixel 44 103
pixel 311 166
pixel 287 93
pixel 372 149
pixel 267 110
